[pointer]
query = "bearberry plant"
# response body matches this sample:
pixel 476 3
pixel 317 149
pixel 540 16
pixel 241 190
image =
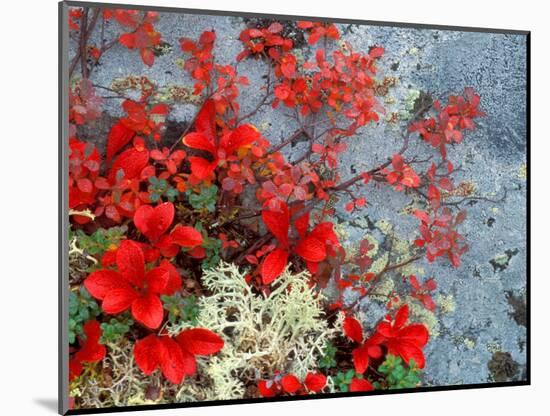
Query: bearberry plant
pixel 152 211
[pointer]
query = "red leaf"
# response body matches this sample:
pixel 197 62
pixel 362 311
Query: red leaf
pixel 376 52
pixel 241 136
pixel 301 224
pixel 100 282
pixel 200 341
pixel 199 141
pixel 153 222
pixel 267 388
pixel 119 299
pixel 273 265
pixel 174 279
pixel 206 120
pixel 148 310
pixel 189 362
pixel 186 236
pixel 360 384
pixel 401 316
pixel 352 329
pixel 128 40
pixel 290 384
pixel 278 222
pixel 408 351
pixel 360 359
pixel 324 232
pixel 201 167
pixel 128 165
pixel 171 360
pixel 91 350
pixel 157 279
pixel 415 333
pixel 315 382
pixel 311 249
pixel 147 352
pixel 131 262
pixel 147 56
pixel 119 136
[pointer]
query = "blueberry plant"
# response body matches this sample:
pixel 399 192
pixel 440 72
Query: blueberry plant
pixel 150 213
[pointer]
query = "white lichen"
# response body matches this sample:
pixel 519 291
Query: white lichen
pixel 284 331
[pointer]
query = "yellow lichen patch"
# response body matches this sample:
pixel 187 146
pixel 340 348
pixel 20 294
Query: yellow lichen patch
pixel 445 303
pixel 522 172
pixel 384 289
pixel 469 343
pixel 379 264
pixel 384 226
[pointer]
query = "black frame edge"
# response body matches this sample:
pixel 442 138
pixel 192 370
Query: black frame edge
pixel 168 9
pixel 63 91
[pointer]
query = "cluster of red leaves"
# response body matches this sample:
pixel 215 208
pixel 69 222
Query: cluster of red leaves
pixel 75 14
pixel 447 126
pixel 175 356
pixel 201 62
pixel 290 384
pixel 132 287
pixel 311 246
pixel 439 235
pixel 268 41
pixel 84 104
pixel 345 85
pixel 402 175
pixel 438 182
pixel 142 34
pixel 207 74
pixel 221 150
pixel 422 291
pixel 392 336
pixel 229 152
pixel 90 351
pixel 319 29
pixel 83 171
pixel 300 182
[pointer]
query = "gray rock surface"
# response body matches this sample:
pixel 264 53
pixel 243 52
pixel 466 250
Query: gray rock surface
pixel 488 290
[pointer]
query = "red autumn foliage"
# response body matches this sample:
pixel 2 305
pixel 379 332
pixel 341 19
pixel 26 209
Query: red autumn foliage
pixel 132 287
pixel 319 29
pixel 402 174
pixel 142 36
pixel 268 41
pixel 222 151
pixel 291 385
pixel 367 349
pixel 175 356
pixel 439 235
pixel 91 350
pixel 288 201
pixel 313 247
pixel 447 126
pixel 404 340
pixel 422 291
